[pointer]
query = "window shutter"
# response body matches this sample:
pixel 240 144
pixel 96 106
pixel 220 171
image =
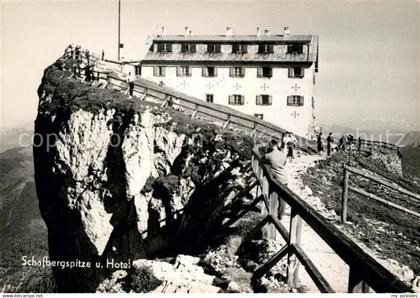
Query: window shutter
pixel 231 71
pixel 242 99
pixel 155 71
pixel 259 72
pixel 242 72
pixel 163 71
pixel 178 71
pixel 291 73
pixel 258 99
pixel 302 73
pixel 290 100
pixel 215 71
pixel 270 100
pixel 301 101
pixel 244 48
pixel 234 48
pixel 270 72
pixel 189 70
pixel 193 48
pixel 169 47
pixel 230 99
pixel 270 48
pixel 205 72
pixel 217 48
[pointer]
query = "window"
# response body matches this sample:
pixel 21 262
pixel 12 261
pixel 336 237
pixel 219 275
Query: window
pixel 295 48
pixel 238 48
pixel 183 71
pixel 236 99
pixel 137 70
pixel 213 48
pixel 259 116
pixel 264 72
pixel 265 48
pixel 159 71
pixel 209 98
pixel 209 71
pixel 237 72
pixel 296 72
pixel 164 47
pixel 188 48
pixel 295 100
pixel 264 100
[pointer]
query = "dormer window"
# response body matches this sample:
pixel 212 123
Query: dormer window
pixel 238 48
pixel 265 49
pixel 295 48
pixel 213 48
pixel 187 48
pixel 164 47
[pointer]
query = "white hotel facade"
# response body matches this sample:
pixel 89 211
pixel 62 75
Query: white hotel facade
pixel 268 76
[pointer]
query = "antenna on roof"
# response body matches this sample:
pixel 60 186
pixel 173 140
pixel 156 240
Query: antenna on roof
pixel 119 28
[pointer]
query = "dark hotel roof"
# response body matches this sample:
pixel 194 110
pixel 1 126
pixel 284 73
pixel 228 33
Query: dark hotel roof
pixel 234 38
pixel 310 54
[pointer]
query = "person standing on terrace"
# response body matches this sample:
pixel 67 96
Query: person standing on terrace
pixel 277 160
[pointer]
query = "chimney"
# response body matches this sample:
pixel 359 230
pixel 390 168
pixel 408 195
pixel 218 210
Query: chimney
pixel 163 31
pixel 286 31
pixel 229 31
pixel 267 32
pixel 186 31
pixel 258 31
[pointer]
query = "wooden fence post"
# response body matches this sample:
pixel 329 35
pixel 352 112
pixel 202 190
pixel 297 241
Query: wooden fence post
pixel 265 192
pixel 356 283
pixel 227 122
pixel 195 111
pixel 295 236
pixel 344 198
pixel 274 205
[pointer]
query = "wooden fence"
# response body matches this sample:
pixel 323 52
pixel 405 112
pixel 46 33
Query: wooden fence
pixel 369 145
pixel 365 271
pixel 344 202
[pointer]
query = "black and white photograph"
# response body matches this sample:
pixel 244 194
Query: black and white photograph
pixel 210 147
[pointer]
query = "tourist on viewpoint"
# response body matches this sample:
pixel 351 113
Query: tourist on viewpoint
pixel 319 144
pixel 277 160
pixel 330 140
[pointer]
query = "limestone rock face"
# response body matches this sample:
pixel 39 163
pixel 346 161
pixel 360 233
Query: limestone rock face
pixel 122 179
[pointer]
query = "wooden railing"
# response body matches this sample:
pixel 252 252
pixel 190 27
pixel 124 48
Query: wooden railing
pixel 344 202
pixel 362 144
pixel 365 271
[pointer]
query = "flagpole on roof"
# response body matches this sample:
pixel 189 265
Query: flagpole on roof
pixel 119 28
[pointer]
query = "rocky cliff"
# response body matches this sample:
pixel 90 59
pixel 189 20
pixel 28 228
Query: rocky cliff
pixel 120 179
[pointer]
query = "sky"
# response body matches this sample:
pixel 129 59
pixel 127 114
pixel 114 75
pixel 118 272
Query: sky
pixel 369 50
